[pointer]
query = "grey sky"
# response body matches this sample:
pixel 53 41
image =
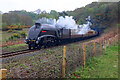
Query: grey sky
pixel 32 5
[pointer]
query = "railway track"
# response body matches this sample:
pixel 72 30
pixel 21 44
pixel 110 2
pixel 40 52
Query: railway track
pixel 9 54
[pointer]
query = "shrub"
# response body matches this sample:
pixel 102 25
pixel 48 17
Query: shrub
pixel 23 26
pixel 16 27
pixel 14 31
pixel 9 31
pixel 5 28
pixel 16 35
pixel 23 34
pixel 11 38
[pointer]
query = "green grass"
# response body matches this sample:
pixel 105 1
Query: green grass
pixel 104 66
pixel 118 25
pixel 15 47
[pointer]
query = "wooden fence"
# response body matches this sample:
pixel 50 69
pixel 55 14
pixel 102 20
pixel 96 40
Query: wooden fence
pixel 103 45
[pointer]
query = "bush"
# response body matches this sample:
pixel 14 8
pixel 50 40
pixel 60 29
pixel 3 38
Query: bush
pixel 14 31
pixel 11 27
pixel 16 35
pixel 11 38
pixel 9 31
pixel 5 28
pixel 23 34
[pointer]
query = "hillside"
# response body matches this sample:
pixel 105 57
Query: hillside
pixel 103 15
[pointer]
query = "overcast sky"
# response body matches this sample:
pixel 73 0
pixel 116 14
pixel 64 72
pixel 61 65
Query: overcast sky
pixel 32 5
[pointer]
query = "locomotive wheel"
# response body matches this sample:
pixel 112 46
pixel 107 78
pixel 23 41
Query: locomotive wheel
pixel 33 47
pixel 48 41
pixel 52 42
pixel 29 46
pixel 39 46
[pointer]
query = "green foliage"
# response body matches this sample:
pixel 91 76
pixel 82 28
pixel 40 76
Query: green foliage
pixel 19 25
pixel 81 21
pixel 4 25
pixel 19 18
pixel 108 13
pixel 12 38
pixel 16 35
pixel 118 25
pixel 23 34
pixel 54 13
pixel 104 66
pixel 10 18
pixel 102 14
pixel 46 15
pixel 26 20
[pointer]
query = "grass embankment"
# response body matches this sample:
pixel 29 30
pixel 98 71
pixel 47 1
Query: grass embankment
pixel 104 66
pixel 15 47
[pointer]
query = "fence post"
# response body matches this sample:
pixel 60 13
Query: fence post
pixel 64 57
pixel 105 45
pixel 3 74
pixel 111 41
pixel 101 47
pixel 84 56
pixel 108 43
pixel 94 48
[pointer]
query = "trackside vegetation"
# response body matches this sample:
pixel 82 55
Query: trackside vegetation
pixel 104 66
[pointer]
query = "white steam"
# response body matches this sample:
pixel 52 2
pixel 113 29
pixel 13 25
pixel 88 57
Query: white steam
pixel 68 23
pixel 45 20
pixel 85 28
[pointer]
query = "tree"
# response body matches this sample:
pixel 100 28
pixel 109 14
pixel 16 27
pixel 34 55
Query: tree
pixel 54 13
pixel 10 18
pixel 46 15
pixel 26 20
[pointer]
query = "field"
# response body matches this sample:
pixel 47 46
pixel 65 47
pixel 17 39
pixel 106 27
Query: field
pixel 10 45
pixel 6 35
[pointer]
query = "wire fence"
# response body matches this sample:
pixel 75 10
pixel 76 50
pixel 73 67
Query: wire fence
pixel 86 51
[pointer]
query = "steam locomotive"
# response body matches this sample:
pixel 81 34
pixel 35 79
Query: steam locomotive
pixel 42 35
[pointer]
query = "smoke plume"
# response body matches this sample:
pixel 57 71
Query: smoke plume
pixel 68 23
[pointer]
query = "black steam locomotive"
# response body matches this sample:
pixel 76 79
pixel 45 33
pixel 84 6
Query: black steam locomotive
pixel 46 35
